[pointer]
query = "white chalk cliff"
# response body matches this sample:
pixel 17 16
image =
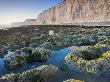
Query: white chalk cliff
pixel 77 11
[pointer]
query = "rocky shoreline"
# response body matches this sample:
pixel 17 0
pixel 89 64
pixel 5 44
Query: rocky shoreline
pixel 26 55
pixel 39 74
pixel 64 35
pixel 92 59
pixel 89 54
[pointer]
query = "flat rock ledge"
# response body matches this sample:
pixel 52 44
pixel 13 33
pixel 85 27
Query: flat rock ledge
pixel 38 74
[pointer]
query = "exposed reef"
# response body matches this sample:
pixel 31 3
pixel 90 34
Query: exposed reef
pixel 94 59
pixel 91 53
pixel 26 55
pixel 64 36
pixel 39 74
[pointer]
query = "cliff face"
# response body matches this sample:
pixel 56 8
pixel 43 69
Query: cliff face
pixel 76 11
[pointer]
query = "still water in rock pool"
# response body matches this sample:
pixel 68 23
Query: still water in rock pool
pixel 58 60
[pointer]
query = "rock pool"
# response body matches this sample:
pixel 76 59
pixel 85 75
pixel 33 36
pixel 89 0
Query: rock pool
pixel 58 60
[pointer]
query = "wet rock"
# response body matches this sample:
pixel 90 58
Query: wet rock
pixel 3 51
pixel 72 80
pixel 34 75
pixel 11 60
pixel 26 55
pixel 91 62
pixel 42 54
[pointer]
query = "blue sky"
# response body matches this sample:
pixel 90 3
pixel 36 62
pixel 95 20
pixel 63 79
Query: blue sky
pixel 19 10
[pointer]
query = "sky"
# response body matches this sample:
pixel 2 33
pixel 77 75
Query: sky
pixel 19 10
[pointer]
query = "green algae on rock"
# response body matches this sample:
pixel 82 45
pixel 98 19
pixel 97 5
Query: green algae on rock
pixel 26 55
pixel 73 80
pixel 96 62
pixel 36 74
